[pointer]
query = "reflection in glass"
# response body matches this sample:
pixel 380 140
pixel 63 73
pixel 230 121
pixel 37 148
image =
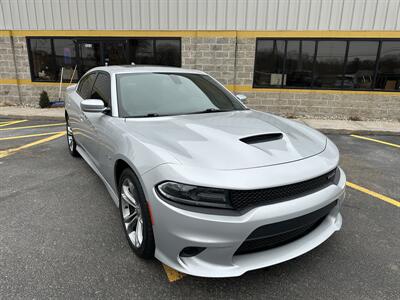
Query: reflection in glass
pixel 388 76
pixel 42 60
pixel 65 55
pixel 269 63
pixel 90 56
pixel 329 64
pixel 360 66
pixel 168 52
pixel 299 63
pixel 115 53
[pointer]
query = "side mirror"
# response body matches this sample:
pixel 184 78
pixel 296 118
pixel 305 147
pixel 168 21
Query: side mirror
pixel 242 98
pixel 92 105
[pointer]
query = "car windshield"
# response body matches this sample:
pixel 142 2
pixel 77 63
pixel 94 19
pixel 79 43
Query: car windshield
pixel 161 94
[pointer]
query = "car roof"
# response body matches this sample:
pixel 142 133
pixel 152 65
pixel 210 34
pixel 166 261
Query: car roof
pixel 123 69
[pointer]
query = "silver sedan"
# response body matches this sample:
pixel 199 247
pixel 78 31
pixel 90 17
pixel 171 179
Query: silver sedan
pixel 204 184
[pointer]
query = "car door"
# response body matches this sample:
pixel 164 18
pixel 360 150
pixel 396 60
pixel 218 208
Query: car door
pixel 84 91
pixel 101 123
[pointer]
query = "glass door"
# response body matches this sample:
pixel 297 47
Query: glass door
pixel 99 53
pixel 89 55
pixel 115 52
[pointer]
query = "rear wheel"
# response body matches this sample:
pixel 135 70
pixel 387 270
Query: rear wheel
pixel 70 139
pixel 135 215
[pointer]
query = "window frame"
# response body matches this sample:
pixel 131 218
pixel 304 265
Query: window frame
pixel 317 40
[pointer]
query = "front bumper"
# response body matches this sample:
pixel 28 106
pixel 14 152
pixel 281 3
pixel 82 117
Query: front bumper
pixel 221 235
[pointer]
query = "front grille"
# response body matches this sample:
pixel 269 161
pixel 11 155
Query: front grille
pixel 277 234
pixel 245 199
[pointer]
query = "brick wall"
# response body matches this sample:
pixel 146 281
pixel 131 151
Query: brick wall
pixel 216 56
pixel 30 94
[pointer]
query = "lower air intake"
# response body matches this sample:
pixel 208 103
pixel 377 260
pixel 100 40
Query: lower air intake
pixel 278 234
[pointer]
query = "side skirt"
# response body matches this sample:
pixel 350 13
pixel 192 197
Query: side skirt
pixel 92 165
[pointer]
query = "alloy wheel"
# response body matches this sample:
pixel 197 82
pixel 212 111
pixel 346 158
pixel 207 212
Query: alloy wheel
pixel 70 138
pixel 131 213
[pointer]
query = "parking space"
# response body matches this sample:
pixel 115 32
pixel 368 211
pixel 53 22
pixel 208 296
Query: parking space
pixel 60 233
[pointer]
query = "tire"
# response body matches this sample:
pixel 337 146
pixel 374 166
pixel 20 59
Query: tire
pixel 70 139
pixel 137 227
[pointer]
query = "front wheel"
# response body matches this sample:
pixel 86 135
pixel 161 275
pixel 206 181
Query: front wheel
pixel 71 140
pixel 135 215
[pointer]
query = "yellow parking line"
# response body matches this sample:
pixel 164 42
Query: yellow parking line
pixel 11 151
pixel 373 194
pixel 33 126
pixel 374 140
pixel 27 136
pixel 172 274
pixel 3 124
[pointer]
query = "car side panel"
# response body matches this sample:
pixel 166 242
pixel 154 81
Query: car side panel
pixel 72 106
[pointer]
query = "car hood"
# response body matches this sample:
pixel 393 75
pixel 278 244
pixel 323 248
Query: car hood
pixel 228 140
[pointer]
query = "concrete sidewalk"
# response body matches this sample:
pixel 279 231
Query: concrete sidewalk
pixel 327 126
pixel 32 113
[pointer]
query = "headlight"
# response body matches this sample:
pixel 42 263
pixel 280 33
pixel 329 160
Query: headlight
pixel 194 195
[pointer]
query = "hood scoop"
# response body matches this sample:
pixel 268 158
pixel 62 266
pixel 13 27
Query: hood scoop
pixel 261 138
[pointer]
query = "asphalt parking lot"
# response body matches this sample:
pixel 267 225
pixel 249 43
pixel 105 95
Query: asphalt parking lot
pixel 60 233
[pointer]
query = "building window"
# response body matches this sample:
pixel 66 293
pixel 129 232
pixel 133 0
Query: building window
pixel 42 60
pixel 299 63
pixel 65 57
pixel 327 64
pixel 360 67
pixel 388 75
pixel 48 56
pixel 269 64
pixel 168 52
pixel 141 51
pixel 165 52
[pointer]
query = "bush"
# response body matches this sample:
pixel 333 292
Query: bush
pixel 44 100
pixel 354 118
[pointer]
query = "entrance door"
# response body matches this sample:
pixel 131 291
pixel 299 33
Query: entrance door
pixel 90 55
pixel 115 52
pixel 95 53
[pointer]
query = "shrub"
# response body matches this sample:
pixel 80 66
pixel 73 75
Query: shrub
pixel 354 118
pixel 44 100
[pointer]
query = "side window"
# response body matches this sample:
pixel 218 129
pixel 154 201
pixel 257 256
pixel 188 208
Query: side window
pixel 102 89
pixel 85 86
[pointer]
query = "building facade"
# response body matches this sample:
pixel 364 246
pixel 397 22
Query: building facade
pixel 315 58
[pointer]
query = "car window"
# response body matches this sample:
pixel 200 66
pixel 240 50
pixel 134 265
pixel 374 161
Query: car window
pixel 102 89
pixel 85 86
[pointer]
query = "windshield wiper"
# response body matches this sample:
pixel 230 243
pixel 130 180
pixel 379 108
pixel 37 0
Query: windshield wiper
pixel 210 110
pixel 149 115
